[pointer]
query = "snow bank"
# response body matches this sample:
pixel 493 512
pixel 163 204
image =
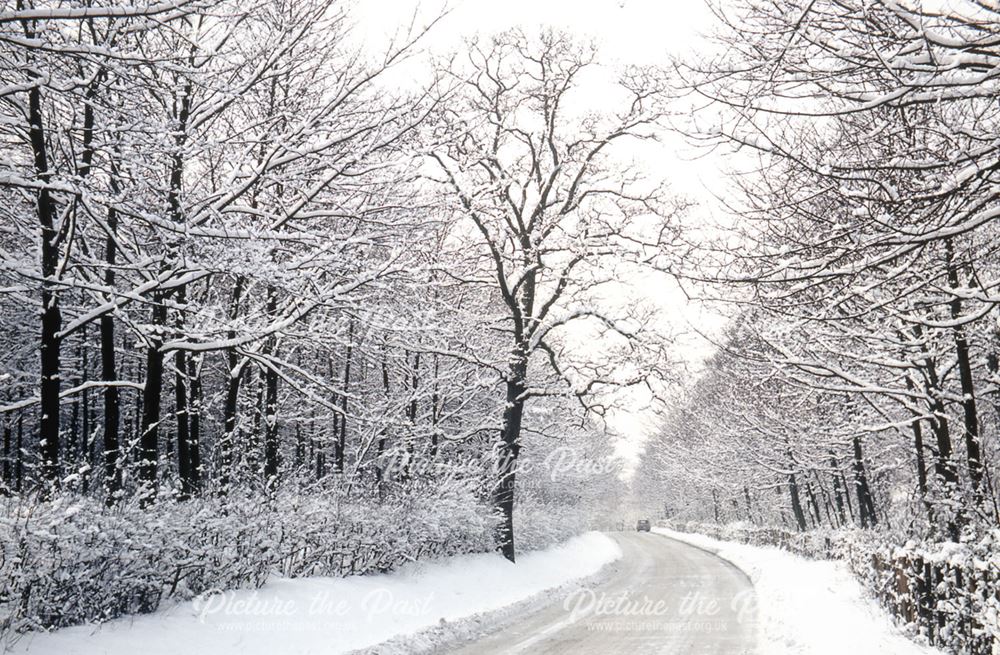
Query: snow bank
pixel 808 607
pixel 334 615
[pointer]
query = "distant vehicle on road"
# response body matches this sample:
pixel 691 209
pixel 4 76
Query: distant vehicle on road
pixel 642 525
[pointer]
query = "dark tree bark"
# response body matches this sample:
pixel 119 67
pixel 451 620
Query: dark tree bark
pixel 746 498
pixel 50 342
pixel 973 447
pixel 508 450
pixel 185 467
pixel 300 446
pixel 945 471
pixel 341 440
pixel 918 448
pixel 5 471
pixel 181 111
pixel 796 500
pixel 866 505
pixel 435 408
pixel 229 412
pixel 194 412
pixel 19 460
pixel 149 429
pixel 86 427
pixel 271 403
pixel 380 445
pixel 838 491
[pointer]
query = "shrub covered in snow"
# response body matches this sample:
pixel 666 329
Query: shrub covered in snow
pixel 946 593
pixel 71 560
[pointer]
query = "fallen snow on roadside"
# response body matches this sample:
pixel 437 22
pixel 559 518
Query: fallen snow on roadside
pixel 334 615
pixel 808 607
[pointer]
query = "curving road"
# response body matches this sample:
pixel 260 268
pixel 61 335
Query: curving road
pixel 663 596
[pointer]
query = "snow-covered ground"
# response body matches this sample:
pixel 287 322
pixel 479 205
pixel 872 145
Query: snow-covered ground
pixel 334 615
pixel 808 607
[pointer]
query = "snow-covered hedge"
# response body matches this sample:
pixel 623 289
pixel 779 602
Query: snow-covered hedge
pixel 539 525
pixel 822 543
pixel 72 560
pixel 948 593
pixel 945 593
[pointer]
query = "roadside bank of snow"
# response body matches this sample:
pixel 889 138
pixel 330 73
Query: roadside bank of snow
pixel 808 607
pixel 334 615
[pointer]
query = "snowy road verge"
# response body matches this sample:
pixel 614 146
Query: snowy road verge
pixel 334 615
pixel 808 607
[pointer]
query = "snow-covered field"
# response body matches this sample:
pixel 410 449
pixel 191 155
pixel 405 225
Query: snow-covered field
pixel 808 607
pixel 334 615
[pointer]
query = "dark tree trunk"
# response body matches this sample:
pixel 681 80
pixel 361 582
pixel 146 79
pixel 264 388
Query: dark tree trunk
pixel 341 440
pixel 435 409
pixel 229 411
pixel 508 449
pixel 271 412
pixel 185 468
pixel 746 497
pixel 86 427
pixel 827 505
pixel 970 414
pixel 866 506
pixel 380 446
pixel 50 341
pixel 6 470
pixel 271 428
pixel 149 441
pixel 74 451
pixel 838 491
pixel 918 448
pixel 19 461
pixel 194 412
pixel 271 401
pixel 793 492
pixel 814 514
pixel 229 420
pixel 944 465
pixel 300 446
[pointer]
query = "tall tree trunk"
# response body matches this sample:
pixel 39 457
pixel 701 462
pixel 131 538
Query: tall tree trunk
pixel 380 447
pixel 814 514
pixel 50 342
pixel 973 447
pixel 918 448
pixel 6 470
pixel 435 408
pixel 945 471
pixel 866 505
pixel 838 492
pixel 229 421
pixel 341 440
pixel 746 498
pixel 185 468
pixel 87 444
pixel 235 372
pixel 149 429
pixel 271 403
pixel 194 412
pixel 19 461
pixel 508 450
pixel 796 500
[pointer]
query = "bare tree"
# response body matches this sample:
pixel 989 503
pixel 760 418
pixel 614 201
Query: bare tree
pixel 536 189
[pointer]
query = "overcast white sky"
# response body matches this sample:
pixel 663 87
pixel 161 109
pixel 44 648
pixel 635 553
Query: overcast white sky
pixel 627 32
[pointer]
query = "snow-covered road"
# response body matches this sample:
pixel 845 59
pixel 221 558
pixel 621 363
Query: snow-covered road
pixel 664 596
